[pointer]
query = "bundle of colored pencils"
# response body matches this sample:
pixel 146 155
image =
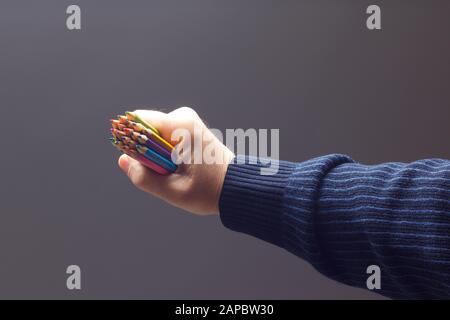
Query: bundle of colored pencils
pixel 140 140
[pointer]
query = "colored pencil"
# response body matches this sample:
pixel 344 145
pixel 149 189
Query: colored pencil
pixel 138 139
pixel 153 156
pixel 134 117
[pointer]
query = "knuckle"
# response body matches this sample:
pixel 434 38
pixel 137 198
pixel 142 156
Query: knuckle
pixel 136 176
pixel 183 191
pixel 188 111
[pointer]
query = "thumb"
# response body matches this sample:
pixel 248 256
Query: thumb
pixel 143 178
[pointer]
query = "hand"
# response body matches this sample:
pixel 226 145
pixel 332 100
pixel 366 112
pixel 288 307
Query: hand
pixel 193 187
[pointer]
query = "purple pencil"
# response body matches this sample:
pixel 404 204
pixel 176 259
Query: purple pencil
pixel 154 146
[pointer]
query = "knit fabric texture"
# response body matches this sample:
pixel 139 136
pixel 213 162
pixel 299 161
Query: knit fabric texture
pixel 342 217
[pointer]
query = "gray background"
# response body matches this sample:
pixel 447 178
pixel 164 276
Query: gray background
pixel 310 68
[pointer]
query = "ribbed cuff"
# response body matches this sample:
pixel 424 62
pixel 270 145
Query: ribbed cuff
pixel 251 201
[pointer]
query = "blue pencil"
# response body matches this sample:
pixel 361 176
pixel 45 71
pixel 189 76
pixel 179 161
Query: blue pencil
pixel 155 157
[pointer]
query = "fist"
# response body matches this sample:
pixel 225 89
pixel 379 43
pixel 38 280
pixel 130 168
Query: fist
pixel 196 185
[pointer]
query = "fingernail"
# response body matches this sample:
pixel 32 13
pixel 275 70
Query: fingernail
pixel 124 163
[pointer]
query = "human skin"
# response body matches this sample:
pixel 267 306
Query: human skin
pixel 193 187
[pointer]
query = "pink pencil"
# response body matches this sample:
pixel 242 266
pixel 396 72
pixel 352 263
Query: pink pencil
pixel 151 165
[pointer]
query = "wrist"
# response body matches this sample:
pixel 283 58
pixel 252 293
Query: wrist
pixel 251 201
pixel 222 172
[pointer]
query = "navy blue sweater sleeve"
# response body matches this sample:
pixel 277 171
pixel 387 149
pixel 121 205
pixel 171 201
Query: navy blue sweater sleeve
pixel 343 217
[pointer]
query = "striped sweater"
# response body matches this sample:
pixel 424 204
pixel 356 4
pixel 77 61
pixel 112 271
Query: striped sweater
pixel 342 217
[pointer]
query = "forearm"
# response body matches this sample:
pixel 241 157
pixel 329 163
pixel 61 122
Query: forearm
pixel 342 217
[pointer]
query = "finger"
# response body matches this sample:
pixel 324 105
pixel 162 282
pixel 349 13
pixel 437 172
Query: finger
pixel 144 178
pixel 185 112
pixel 180 120
pixel 158 119
pixel 185 117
